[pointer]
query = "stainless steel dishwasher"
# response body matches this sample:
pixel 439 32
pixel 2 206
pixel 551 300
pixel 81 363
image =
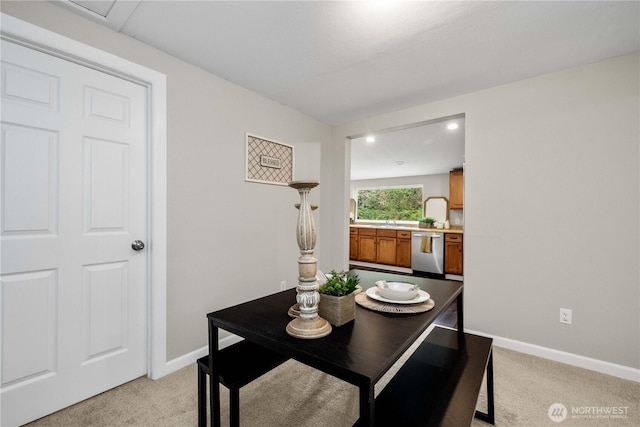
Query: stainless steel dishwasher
pixel 427 252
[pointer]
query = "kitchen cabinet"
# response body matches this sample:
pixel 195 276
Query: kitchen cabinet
pixel 453 254
pixel 386 241
pixel 367 245
pixel 353 243
pixel 393 247
pixel 380 246
pixel 456 189
pixel 403 253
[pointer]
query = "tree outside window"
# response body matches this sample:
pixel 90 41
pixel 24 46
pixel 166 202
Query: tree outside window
pixel 397 204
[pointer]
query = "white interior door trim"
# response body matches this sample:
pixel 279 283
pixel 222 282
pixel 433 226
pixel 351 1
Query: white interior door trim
pixel 30 35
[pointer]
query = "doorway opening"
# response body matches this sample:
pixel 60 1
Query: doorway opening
pixel 422 155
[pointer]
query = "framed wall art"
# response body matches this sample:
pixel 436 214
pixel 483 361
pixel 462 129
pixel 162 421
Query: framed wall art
pixel 268 161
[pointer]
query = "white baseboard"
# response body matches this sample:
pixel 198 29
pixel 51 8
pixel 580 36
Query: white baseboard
pixel 189 358
pixel 620 371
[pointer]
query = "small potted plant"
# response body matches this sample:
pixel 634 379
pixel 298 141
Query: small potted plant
pixel 426 222
pixel 337 298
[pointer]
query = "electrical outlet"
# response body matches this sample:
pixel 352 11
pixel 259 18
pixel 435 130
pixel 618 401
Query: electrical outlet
pixel 283 285
pixel 565 316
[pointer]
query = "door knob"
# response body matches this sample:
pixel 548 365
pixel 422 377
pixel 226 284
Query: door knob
pixel 137 245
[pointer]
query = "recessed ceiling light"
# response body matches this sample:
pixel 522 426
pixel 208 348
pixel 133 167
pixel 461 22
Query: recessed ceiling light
pixel 399 163
pixel 452 126
pixel 370 139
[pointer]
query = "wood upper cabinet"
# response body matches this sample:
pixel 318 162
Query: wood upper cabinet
pixel 403 253
pixel 453 254
pixel 456 189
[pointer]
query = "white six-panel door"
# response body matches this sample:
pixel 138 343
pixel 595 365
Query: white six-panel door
pixel 73 177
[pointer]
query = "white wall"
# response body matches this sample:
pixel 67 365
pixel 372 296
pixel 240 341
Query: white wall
pixel 228 240
pixel 551 206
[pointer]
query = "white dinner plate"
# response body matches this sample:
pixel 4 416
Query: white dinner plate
pixel 422 297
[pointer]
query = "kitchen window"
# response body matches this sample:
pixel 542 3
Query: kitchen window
pixel 389 203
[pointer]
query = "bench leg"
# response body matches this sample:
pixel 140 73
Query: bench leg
pixel 202 397
pixel 214 401
pixel 234 407
pixel 489 417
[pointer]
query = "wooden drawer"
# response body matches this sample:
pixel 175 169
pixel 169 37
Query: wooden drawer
pixel 451 237
pixel 386 233
pixel 402 234
pixel 366 231
pixel 353 230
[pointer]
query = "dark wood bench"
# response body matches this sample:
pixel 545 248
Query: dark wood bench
pixel 237 365
pixel 439 384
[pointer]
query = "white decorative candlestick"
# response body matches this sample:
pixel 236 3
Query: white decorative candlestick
pixel 308 324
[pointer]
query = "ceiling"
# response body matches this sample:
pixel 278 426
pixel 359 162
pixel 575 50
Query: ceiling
pixel 425 149
pixel 340 61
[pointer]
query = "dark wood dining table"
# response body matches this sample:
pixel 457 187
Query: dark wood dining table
pixel 360 352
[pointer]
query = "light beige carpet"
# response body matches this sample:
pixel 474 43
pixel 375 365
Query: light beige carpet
pixel 296 395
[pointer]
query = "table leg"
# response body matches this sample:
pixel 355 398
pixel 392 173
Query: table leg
pixel 367 405
pixel 214 384
pixel 490 402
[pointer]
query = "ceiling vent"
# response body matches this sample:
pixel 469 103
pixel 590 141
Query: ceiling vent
pixel 99 7
pixel 112 13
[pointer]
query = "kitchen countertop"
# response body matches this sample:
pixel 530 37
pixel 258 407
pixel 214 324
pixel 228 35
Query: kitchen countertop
pixel 456 229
